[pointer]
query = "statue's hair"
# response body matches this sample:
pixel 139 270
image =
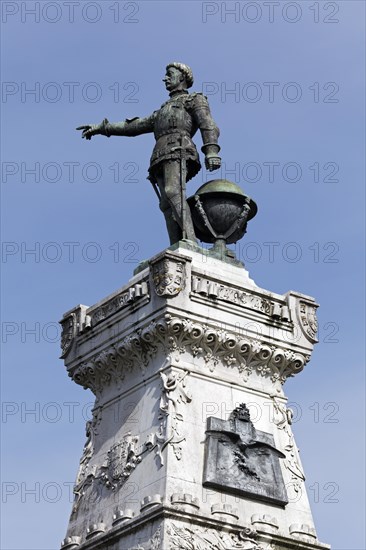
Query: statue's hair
pixel 187 71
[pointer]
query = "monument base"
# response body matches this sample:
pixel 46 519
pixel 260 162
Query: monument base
pixel 190 445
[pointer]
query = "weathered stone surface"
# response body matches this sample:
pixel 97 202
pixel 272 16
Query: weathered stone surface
pixel 243 460
pixel 162 358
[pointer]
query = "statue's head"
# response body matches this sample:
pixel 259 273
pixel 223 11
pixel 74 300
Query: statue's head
pixel 178 76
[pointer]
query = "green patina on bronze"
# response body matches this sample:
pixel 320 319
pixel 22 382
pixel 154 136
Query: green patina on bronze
pixel 219 211
pixel 219 186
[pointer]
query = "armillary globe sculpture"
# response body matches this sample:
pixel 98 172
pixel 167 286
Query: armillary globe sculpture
pixel 219 211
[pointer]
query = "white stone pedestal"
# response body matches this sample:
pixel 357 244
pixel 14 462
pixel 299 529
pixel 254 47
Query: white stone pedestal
pixel 169 461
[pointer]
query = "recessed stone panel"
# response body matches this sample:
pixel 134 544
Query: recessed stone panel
pixel 243 460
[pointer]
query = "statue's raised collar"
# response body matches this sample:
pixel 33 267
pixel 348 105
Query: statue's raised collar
pixel 176 93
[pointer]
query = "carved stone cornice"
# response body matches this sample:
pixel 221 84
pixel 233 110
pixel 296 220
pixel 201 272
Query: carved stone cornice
pixel 176 336
pixel 82 318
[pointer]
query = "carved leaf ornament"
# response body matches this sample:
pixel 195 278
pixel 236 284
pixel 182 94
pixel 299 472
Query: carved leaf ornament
pixel 175 336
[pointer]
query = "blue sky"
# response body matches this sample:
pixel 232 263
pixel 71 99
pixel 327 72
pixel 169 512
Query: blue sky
pixel 296 113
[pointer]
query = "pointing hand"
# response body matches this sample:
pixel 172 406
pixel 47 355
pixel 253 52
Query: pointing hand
pixel 89 130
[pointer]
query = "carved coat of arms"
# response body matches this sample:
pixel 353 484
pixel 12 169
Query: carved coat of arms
pixel 308 320
pixel 168 277
pixel 68 334
pixel 122 459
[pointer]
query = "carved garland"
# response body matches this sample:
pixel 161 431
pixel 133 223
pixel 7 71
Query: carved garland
pixel 174 395
pixel 86 474
pixel 283 420
pixel 198 538
pixel 177 336
pixel 153 544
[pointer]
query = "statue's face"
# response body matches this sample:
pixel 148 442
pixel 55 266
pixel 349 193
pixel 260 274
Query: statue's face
pixel 173 79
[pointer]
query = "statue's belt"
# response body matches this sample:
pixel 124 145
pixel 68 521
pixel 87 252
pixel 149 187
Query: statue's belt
pixel 173 131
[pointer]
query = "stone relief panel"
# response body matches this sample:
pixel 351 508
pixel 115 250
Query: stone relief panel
pixel 205 287
pixel 201 538
pixel 125 454
pixel 175 336
pixel 243 460
pixel 119 302
pixel 120 461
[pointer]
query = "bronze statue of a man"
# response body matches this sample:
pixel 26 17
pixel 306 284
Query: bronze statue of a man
pixel 175 159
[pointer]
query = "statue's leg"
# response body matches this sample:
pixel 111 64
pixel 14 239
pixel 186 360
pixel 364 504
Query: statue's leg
pixel 173 192
pixel 174 229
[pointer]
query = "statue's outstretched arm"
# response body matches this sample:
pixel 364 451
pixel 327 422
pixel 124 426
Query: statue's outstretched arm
pixel 130 127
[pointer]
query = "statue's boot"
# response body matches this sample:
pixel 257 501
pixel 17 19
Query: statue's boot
pixel 176 209
pixel 174 230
